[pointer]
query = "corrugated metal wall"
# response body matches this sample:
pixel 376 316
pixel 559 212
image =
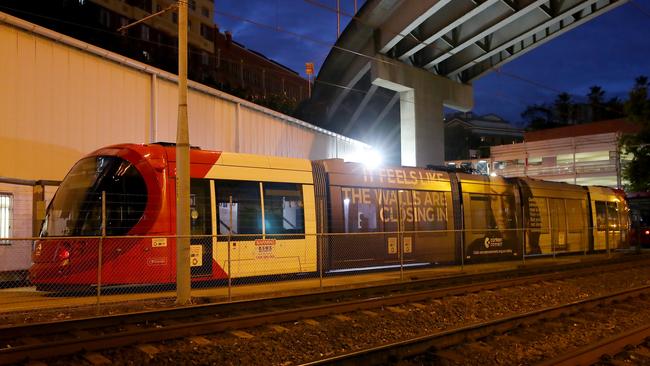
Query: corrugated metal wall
pixel 61 98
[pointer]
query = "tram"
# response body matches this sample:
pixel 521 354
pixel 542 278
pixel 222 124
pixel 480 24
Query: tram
pixel 255 215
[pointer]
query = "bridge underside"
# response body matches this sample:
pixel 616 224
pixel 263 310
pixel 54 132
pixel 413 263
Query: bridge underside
pixel 457 41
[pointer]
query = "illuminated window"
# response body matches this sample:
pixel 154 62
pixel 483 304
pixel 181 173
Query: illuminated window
pixel 6 201
pixel 246 209
pixel 283 209
pixel 360 209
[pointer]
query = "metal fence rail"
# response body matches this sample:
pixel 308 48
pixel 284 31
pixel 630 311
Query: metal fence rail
pixel 98 270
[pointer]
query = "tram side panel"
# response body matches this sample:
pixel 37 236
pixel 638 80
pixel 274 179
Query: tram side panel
pixel 273 226
pixel 491 219
pixel 388 216
pixel 555 217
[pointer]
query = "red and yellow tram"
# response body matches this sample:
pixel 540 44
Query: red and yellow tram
pixel 270 210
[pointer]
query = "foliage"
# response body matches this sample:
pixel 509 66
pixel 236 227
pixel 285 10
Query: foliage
pixel 565 111
pixel 637 109
pixel 596 101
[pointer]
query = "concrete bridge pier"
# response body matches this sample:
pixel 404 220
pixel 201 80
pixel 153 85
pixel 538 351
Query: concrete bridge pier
pixel 422 97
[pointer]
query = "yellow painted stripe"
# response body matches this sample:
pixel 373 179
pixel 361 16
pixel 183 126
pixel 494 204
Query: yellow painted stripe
pixel 260 174
pixel 261 161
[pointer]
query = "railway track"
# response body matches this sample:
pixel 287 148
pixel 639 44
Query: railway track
pixel 47 340
pixel 441 344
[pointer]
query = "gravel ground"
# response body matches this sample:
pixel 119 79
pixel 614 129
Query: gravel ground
pixel 307 340
pixel 47 315
pixel 544 340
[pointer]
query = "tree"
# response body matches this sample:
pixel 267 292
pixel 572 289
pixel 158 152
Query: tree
pixel 637 109
pixel 613 109
pixel 538 117
pixel 565 109
pixel 596 96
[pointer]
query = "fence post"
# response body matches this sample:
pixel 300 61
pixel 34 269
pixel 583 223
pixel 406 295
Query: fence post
pixel 400 239
pixel 553 242
pixel 229 238
pixel 462 247
pixel 320 243
pixel 586 239
pixel 99 252
pixel 637 224
pixel 607 229
pixel 525 234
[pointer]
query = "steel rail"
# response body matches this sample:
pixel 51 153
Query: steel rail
pixel 388 353
pixel 211 325
pixel 592 353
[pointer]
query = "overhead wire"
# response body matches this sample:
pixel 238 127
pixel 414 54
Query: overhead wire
pixel 303 37
pixel 354 17
pixel 151 42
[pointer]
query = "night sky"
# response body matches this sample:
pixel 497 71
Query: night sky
pixel 609 51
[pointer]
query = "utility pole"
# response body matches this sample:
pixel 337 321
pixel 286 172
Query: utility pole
pixel 182 168
pixel 182 157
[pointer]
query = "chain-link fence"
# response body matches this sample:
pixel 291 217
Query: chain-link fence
pixel 101 271
pixel 247 247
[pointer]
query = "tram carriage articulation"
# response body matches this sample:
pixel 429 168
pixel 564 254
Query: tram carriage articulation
pixel 278 205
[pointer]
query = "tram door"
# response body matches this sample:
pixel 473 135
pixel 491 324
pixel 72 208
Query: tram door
pixel 201 228
pixel 607 234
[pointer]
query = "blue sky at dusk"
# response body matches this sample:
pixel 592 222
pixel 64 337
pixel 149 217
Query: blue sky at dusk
pixel 610 50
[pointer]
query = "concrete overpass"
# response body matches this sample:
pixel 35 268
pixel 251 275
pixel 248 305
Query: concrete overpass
pixel 399 62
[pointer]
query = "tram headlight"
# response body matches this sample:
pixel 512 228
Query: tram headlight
pixel 63 253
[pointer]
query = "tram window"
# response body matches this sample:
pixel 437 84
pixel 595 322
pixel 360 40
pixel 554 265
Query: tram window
pixel 126 198
pixel 558 214
pixel 482 218
pixel 200 212
pixel 575 215
pixel 492 211
pixel 360 209
pixel 246 207
pixel 429 210
pixel 283 208
pixel 389 211
pixel 612 215
pixel 601 215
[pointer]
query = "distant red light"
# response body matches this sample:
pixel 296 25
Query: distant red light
pixel 647 232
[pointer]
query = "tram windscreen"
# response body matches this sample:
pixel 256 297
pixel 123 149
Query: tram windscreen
pixel 76 209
